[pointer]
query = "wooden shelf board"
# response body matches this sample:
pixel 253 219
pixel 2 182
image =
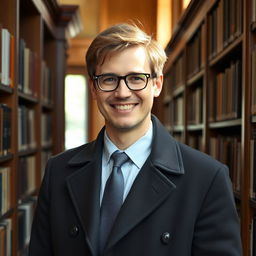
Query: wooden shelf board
pixel 26 197
pixel 47 147
pixel 194 78
pixel 27 152
pixel 226 50
pixel 6 89
pixel 179 90
pixel 195 127
pixel 6 158
pixel 28 98
pixel 47 106
pixel 178 128
pixel 7 214
pixel 227 123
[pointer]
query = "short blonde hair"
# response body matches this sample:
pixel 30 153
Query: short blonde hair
pixel 118 38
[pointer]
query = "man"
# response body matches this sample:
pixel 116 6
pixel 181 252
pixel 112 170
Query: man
pixel 164 199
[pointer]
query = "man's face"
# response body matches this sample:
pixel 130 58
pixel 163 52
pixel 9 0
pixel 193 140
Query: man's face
pixel 124 109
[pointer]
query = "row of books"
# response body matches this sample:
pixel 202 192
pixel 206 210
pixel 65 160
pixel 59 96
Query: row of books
pixel 227 149
pixel 225 88
pixel 5 129
pixel 196 51
pixel 6 237
pixel 46 130
pixel 178 111
pixel 26 128
pixel 225 24
pixel 253 166
pixel 28 70
pixel 253 81
pixel 30 67
pixel 25 218
pixel 175 78
pixel 177 73
pixel 195 140
pixel 5 191
pixel 6 57
pixel 195 109
pixel 26 176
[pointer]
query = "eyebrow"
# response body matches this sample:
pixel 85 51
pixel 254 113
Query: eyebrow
pixel 129 73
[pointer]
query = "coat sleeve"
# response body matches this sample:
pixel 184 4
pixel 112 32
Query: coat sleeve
pixel 40 242
pixel 217 230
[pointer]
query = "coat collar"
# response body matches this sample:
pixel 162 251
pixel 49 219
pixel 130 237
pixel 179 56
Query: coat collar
pixel 165 152
pixel 150 189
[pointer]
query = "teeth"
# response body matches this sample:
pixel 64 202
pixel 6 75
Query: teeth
pixel 124 107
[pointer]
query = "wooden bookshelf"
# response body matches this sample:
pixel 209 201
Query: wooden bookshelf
pixel 33 44
pixel 218 75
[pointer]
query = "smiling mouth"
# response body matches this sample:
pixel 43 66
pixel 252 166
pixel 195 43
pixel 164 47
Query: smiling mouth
pixel 124 106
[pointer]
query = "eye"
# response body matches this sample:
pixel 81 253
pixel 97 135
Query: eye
pixel 136 78
pixel 108 79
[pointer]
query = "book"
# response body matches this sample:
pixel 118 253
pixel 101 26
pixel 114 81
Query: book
pixel 225 25
pixel 227 149
pixel 25 218
pixel 26 128
pixel 22 46
pixel 5 191
pixel 46 130
pixel 253 80
pixel 225 89
pixel 253 11
pixel 12 61
pixel 6 224
pixel 26 176
pixel 1 26
pixel 5 57
pixel 2 241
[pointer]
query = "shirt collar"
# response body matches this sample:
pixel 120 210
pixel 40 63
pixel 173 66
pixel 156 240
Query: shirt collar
pixel 142 145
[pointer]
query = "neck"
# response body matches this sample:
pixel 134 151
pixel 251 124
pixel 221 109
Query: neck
pixel 125 138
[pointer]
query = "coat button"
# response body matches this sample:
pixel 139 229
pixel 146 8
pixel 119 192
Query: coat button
pixel 165 237
pixel 74 230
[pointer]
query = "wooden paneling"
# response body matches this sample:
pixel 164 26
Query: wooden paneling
pixel 118 11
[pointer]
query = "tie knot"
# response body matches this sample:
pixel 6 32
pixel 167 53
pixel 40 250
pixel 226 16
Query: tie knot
pixel 119 158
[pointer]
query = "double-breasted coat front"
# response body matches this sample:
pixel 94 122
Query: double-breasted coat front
pixel 180 204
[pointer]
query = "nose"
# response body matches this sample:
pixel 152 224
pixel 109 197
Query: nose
pixel 122 90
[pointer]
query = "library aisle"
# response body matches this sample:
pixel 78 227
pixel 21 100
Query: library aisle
pixel 209 97
pixel 33 42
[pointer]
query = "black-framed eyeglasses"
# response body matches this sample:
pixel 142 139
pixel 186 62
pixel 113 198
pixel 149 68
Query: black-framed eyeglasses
pixel 134 81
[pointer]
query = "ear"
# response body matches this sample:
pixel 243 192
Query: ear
pixel 158 86
pixel 92 89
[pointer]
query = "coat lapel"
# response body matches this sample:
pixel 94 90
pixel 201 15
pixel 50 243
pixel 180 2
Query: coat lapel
pixel 151 187
pixel 84 188
pixel 148 192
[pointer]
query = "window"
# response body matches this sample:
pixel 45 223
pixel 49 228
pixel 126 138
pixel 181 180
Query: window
pixel 185 4
pixel 76 111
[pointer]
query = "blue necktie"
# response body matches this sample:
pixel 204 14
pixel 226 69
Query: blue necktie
pixel 112 199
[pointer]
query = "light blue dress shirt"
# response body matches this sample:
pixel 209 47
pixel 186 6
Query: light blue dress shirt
pixel 138 153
